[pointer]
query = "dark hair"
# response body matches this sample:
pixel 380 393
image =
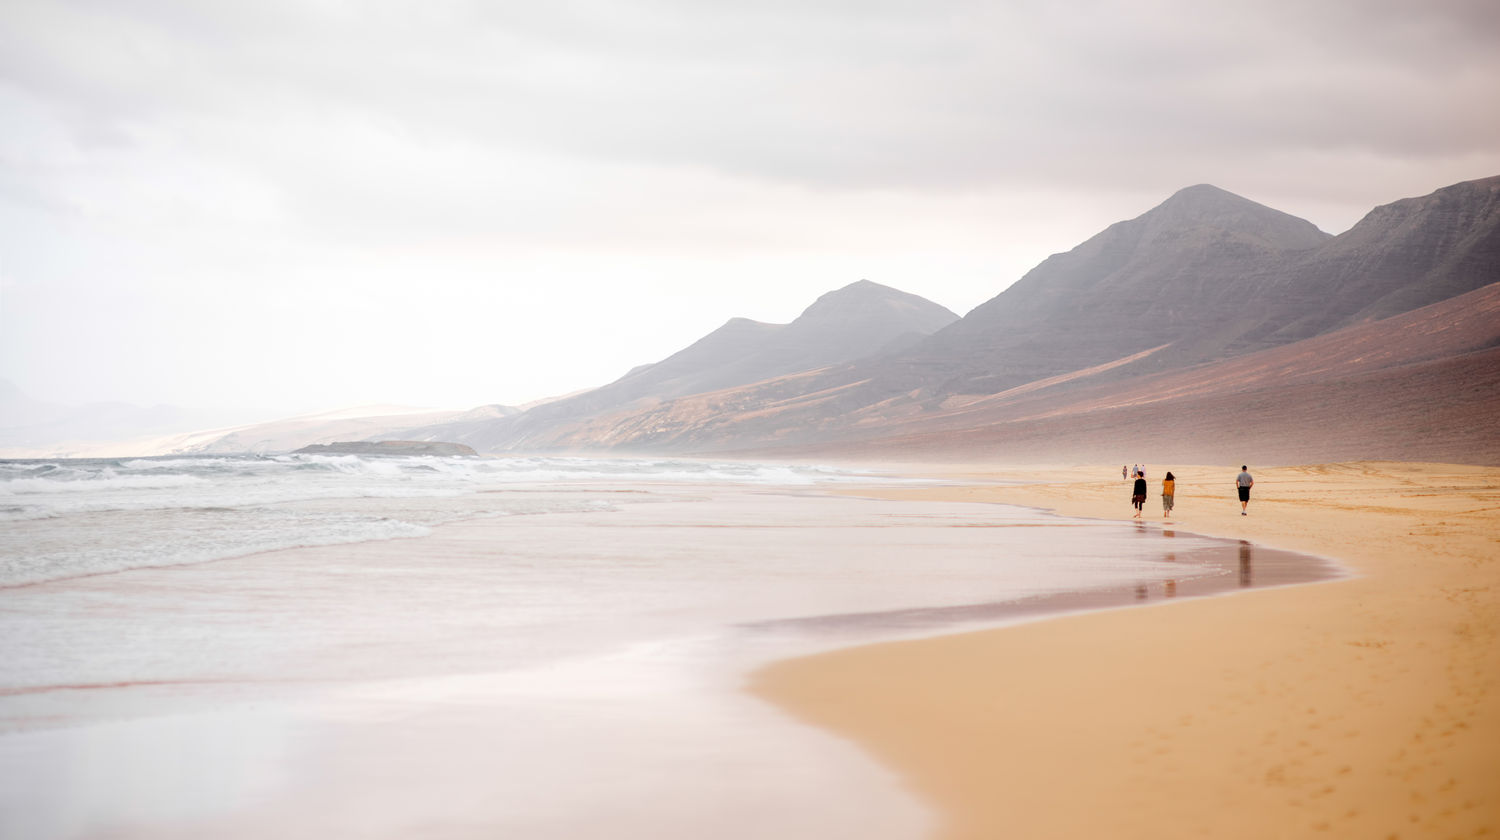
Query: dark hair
pixel 1243 467
pixel 1169 476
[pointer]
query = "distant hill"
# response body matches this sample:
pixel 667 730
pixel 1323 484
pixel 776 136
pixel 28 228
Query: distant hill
pixel 361 423
pixel 857 321
pixel 405 448
pixel 854 322
pixel 364 422
pixel 1205 278
pixel 35 428
pixel 28 425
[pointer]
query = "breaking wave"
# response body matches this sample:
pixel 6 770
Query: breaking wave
pixel 70 517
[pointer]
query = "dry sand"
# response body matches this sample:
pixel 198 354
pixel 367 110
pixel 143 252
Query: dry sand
pixel 1368 707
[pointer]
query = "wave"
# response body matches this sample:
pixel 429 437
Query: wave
pixel 188 547
pixel 31 489
pixel 65 518
pixel 92 483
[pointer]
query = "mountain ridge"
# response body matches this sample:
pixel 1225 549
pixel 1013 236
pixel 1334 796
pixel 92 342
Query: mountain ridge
pixel 1204 277
pixel 1426 380
pixel 856 320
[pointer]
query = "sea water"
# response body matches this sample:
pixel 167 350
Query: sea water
pixel 483 647
pixel 66 518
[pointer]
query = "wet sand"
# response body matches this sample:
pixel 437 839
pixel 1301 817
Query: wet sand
pixel 1366 707
pixel 573 673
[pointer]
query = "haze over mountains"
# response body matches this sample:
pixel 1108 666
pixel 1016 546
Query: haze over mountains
pixel 1205 278
pixel 861 320
pixel 27 423
pixel 109 430
pixel 1210 327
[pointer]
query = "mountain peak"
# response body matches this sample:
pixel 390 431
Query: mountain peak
pixel 1216 212
pixel 858 290
pixel 1202 192
pixel 864 305
pixel 1206 202
pixel 842 325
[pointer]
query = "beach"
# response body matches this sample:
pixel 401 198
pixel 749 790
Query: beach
pixel 560 648
pixel 1364 707
pixel 315 646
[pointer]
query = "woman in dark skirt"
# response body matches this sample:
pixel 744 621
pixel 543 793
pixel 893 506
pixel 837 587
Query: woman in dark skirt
pixel 1138 494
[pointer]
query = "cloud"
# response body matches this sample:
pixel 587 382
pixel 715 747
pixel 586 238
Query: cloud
pixel 716 158
pixel 827 95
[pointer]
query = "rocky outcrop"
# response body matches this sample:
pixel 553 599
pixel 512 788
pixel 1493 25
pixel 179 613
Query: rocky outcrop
pixel 387 447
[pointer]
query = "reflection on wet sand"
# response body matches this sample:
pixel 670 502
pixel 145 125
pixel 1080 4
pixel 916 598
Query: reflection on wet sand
pixel 1210 571
pixel 1168 589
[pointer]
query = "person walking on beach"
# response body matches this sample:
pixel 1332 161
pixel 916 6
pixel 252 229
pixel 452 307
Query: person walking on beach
pixel 1138 493
pixel 1124 476
pixel 1244 482
pixel 1168 489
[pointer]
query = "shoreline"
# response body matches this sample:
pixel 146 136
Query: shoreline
pixel 1366 708
pixel 563 673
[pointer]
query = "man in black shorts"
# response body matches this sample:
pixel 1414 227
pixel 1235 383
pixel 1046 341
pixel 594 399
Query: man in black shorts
pixel 1244 482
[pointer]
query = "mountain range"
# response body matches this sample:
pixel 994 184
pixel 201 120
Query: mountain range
pixel 861 320
pixel 1209 302
pixel 1210 328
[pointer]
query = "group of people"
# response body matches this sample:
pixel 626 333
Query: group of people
pixel 1242 482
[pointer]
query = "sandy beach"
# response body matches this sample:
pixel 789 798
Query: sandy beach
pixel 1366 707
pixel 568 666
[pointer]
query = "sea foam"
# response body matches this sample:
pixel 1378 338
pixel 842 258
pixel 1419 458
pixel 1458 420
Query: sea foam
pixel 68 518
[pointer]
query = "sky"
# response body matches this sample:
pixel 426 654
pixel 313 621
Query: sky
pixel 293 205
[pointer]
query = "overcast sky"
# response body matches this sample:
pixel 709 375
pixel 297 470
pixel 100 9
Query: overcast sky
pixel 289 205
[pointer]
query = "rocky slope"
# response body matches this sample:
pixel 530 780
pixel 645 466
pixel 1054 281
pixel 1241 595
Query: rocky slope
pixel 1421 385
pixel 859 320
pixel 1182 273
pixel 1400 256
pixel 1189 288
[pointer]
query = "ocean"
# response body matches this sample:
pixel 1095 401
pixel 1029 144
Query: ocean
pixel 66 518
pixel 312 646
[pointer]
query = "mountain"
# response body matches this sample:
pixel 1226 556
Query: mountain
pixel 1204 278
pixel 860 320
pixel 1400 256
pixel 366 422
pixel 1181 272
pixel 1422 385
pixel 29 426
pixel 360 423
